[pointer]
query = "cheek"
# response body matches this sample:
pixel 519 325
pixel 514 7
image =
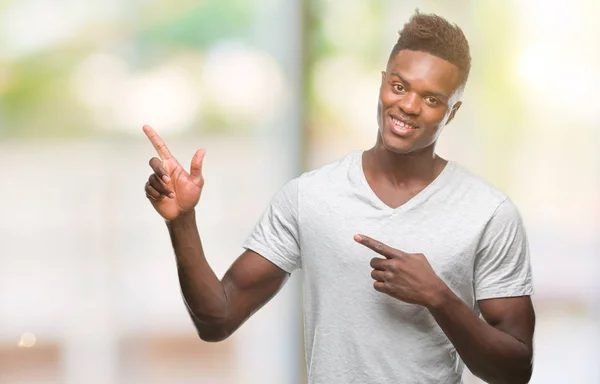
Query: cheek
pixel 433 119
pixel 387 98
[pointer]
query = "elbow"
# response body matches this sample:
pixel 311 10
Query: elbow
pixel 525 376
pixel 210 329
pixel 515 378
pixel 526 371
pixel 518 372
pixel 521 375
pixel 213 336
pixel 213 333
pixel 521 379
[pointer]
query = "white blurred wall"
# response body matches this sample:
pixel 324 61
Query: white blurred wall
pixel 87 263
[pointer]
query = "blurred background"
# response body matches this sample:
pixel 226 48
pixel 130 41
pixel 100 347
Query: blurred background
pixel 270 88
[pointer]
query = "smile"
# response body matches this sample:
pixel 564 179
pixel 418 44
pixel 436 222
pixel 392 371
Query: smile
pixel 402 124
pixel 402 128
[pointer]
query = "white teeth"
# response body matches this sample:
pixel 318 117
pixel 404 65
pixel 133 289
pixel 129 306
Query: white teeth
pixel 400 123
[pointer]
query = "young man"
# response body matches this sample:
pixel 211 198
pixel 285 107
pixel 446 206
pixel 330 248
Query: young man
pixel 401 250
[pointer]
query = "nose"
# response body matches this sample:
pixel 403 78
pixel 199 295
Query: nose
pixel 410 104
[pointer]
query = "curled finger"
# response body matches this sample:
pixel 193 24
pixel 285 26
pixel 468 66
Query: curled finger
pixel 379 263
pixel 157 166
pixel 378 275
pixel 152 193
pixel 160 186
pixel 379 286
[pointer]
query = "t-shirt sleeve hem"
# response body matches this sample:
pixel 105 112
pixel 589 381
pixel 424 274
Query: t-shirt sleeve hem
pixel 496 293
pixel 260 249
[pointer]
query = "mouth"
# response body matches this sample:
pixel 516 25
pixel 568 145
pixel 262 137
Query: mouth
pixel 402 127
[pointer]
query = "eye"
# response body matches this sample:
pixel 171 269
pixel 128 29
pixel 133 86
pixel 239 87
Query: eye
pixel 398 87
pixel 432 101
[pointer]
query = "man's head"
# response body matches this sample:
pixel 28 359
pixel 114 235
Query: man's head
pixel 422 84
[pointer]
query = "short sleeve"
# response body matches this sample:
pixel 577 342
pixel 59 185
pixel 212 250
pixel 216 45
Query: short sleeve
pixel 276 235
pixel 502 264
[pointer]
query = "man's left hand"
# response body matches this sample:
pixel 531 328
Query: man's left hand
pixel 405 276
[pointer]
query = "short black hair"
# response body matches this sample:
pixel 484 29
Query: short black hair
pixel 435 35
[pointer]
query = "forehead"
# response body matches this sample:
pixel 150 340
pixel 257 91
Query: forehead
pixel 425 71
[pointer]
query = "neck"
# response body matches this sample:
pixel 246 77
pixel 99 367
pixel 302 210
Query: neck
pixel 401 169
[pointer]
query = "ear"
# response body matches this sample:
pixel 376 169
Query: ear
pixel 453 112
pixel 382 77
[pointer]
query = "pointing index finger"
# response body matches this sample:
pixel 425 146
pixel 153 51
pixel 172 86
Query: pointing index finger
pixel 377 246
pixel 159 145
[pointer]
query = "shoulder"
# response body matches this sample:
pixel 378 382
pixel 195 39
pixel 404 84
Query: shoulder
pixel 319 179
pixel 329 173
pixel 477 199
pixel 475 188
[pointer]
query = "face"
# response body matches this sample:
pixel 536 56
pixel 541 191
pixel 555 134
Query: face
pixel 418 97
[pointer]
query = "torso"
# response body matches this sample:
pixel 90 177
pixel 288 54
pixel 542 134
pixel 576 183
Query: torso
pixel 354 333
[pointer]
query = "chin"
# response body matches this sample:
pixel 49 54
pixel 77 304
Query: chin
pixel 399 150
pixel 397 144
pixel 409 144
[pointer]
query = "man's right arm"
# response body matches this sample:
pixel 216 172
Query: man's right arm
pixel 219 307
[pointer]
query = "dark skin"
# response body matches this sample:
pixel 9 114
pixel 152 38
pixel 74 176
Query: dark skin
pixel 418 96
pixel 498 350
pixel 217 307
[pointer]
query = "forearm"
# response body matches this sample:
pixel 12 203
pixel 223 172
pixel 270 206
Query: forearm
pixel 489 353
pixel 202 290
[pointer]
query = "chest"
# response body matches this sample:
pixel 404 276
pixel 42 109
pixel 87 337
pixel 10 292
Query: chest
pixel 334 263
pixel 392 196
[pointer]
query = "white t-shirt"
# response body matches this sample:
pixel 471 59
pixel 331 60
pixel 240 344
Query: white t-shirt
pixel 470 232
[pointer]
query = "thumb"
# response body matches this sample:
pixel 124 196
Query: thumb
pixel 196 166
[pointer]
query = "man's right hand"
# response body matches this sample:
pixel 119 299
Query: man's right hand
pixel 171 190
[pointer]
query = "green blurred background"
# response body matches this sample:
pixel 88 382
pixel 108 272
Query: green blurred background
pixel 271 88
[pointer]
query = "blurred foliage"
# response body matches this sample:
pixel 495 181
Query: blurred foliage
pixel 332 31
pixel 35 97
pixel 35 91
pixel 358 31
pixel 199 26
pixel 35 100
pixel 500 106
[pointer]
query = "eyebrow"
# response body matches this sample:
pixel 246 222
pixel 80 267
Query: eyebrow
pixel 438 94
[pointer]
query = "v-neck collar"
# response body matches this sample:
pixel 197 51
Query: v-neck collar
pixel 425 193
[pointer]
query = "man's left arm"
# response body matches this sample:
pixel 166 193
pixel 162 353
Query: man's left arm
pixel 497 350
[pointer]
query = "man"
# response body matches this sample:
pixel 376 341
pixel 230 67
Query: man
pixel 401 250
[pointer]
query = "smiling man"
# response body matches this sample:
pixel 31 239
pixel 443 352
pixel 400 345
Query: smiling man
pixel 401 250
